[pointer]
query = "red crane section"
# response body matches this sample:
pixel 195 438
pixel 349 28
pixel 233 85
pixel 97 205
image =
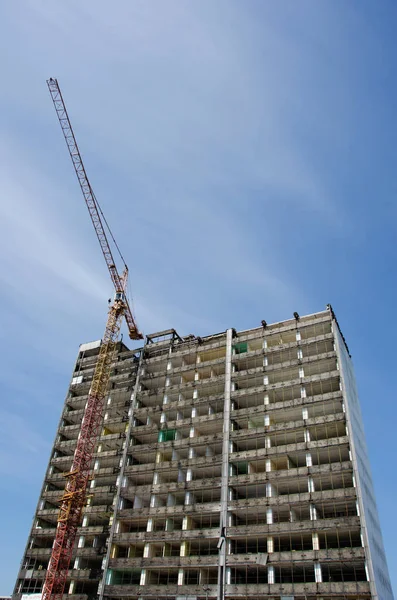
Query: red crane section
pixel 75 493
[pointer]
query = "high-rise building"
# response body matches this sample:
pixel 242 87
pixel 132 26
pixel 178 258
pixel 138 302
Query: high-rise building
pixel 229 466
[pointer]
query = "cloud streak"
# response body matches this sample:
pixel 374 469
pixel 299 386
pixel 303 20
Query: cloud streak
pixel 220 138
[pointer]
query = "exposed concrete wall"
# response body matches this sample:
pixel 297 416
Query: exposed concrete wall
pixel 223 471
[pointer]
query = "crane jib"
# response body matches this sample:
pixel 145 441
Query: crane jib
pixel 90 199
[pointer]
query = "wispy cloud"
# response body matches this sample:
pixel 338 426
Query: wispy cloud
pixel 33 237
pixel 22 449
pixel 219 138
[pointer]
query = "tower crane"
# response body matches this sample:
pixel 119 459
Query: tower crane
pixel 75 492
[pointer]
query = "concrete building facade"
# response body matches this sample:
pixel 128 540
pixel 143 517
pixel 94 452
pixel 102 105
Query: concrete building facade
pixel 229 466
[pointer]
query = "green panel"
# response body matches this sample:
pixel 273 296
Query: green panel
pixel 242 468
pixel 167 435
pixel 240 347
pixel 109 577
pixel 126 577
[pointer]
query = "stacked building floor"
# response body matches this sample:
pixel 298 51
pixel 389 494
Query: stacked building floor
pixel 229 466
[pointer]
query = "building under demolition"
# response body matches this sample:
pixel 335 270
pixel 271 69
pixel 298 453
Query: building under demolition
pixel 228 466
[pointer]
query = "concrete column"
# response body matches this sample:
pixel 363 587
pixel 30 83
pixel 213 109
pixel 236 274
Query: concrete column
pixel 225 468
pixel 130 425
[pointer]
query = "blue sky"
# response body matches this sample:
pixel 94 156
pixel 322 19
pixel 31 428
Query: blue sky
pixel 244 154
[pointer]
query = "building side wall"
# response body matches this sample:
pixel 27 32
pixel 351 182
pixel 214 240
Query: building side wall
pixel 86 567
pixel 376 557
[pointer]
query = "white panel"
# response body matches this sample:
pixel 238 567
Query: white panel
pixel 318 573
pixel 89 346
pixel 270 574
pixel 315 541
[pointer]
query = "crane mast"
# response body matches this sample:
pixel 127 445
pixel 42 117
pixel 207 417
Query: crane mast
pixel 75 492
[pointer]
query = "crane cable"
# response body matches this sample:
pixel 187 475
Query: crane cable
pixel 108 227
pixel 129 291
